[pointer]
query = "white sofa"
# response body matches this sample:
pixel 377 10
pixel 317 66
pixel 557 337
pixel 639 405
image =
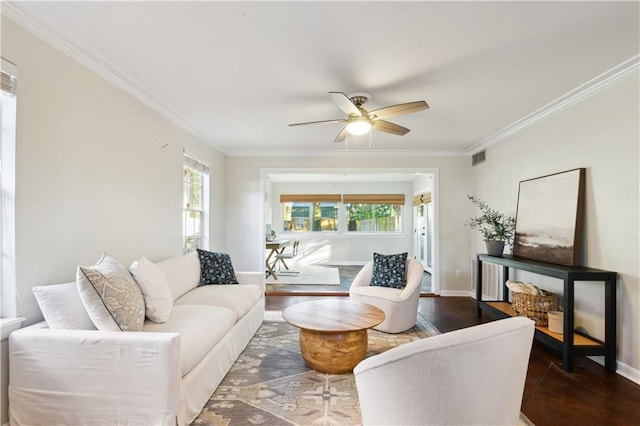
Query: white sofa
pixel 163 374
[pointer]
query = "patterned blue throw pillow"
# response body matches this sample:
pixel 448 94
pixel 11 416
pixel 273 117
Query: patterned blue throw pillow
pixel 389 270
pixel 216 268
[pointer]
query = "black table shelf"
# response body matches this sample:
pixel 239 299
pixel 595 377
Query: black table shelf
pixel 579 343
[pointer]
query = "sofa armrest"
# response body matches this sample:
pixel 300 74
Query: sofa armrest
pixel 255 278
pixel 94 377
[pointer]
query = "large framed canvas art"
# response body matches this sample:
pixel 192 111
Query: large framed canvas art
pixel 549 217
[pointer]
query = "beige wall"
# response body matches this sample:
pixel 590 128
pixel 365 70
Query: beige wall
pixel 92 175
pixel 601 134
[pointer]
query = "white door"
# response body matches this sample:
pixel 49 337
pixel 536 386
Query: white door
pixel 422 235
pixel 428 237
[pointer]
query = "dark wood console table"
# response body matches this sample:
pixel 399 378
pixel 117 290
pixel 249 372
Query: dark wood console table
pixel 579 343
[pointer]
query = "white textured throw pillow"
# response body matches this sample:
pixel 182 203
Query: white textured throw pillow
pixel 112 298
pixel 158 299
pixel 62 307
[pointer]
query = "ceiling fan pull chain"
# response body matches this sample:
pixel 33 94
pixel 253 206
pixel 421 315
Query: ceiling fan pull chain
pixel 370 139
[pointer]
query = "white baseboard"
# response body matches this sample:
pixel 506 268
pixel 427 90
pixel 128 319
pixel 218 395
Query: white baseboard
pixel 622 369
pixel 628 372
pixel 457 293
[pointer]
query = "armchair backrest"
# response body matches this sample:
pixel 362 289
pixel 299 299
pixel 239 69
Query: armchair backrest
pixel 363 277
pixel 471 376
pixel 415 272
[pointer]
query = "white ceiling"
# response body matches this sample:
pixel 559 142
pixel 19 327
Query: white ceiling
pixel 237 73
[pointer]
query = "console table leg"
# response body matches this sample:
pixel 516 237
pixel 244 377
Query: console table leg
pixel 610 314
pixel 567 344
pixel 478 286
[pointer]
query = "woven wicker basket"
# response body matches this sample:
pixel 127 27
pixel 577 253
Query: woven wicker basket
pixel 534 307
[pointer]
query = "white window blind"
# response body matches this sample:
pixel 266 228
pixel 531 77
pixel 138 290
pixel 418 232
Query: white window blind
pixel 8 77
pixel 8 82
pixel 195 164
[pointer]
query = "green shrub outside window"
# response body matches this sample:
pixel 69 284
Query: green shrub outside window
pixel 374 217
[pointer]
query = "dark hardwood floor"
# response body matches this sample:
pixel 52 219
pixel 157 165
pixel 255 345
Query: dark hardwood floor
pixel 587 396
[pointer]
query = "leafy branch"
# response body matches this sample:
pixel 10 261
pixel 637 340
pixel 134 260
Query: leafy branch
pixel 493 225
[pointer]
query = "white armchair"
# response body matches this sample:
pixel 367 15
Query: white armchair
pixel 473 376
pixel 399 305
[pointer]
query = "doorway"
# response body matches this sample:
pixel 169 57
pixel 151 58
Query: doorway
pixel 341 249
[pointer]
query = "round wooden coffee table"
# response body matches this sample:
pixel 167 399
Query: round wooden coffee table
pixel 333 332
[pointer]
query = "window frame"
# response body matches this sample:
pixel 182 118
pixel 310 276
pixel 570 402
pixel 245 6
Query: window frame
pixel 194 166
pixel 343 201
pixel 311 217
pixel 8 124
pixel 375 207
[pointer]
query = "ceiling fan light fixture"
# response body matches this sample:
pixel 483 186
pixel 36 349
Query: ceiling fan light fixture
pixel 359 126
pixel 359 121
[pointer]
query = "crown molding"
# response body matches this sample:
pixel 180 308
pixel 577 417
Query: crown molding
pixel 349 153
pixel 580 93
pixel 21 16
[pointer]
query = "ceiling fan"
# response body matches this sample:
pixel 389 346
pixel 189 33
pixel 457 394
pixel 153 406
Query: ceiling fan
pixel 360 121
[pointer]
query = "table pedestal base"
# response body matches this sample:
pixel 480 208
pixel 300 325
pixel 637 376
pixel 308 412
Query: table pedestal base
pixel 333 352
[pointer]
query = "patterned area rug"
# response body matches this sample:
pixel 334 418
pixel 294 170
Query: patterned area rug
pixel 270 384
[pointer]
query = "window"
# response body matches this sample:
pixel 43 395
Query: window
pixel 195 205
pixel 314 217
pixel 8 84
pixel 310 212
pixel 366 213
pixel 374 213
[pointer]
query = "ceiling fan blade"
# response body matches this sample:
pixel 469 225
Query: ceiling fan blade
pixel 337 120
pixel 400 109
pixel 345 104
pixel 387 127
pixel 341 136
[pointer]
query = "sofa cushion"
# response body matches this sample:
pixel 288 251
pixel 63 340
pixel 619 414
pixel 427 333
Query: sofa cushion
pixel 200 327
pixel 112 298
pixel 389 270
pixel 216 268
pixel 62 307
pixel 182 273
pixel 239 298
pixel 158 299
